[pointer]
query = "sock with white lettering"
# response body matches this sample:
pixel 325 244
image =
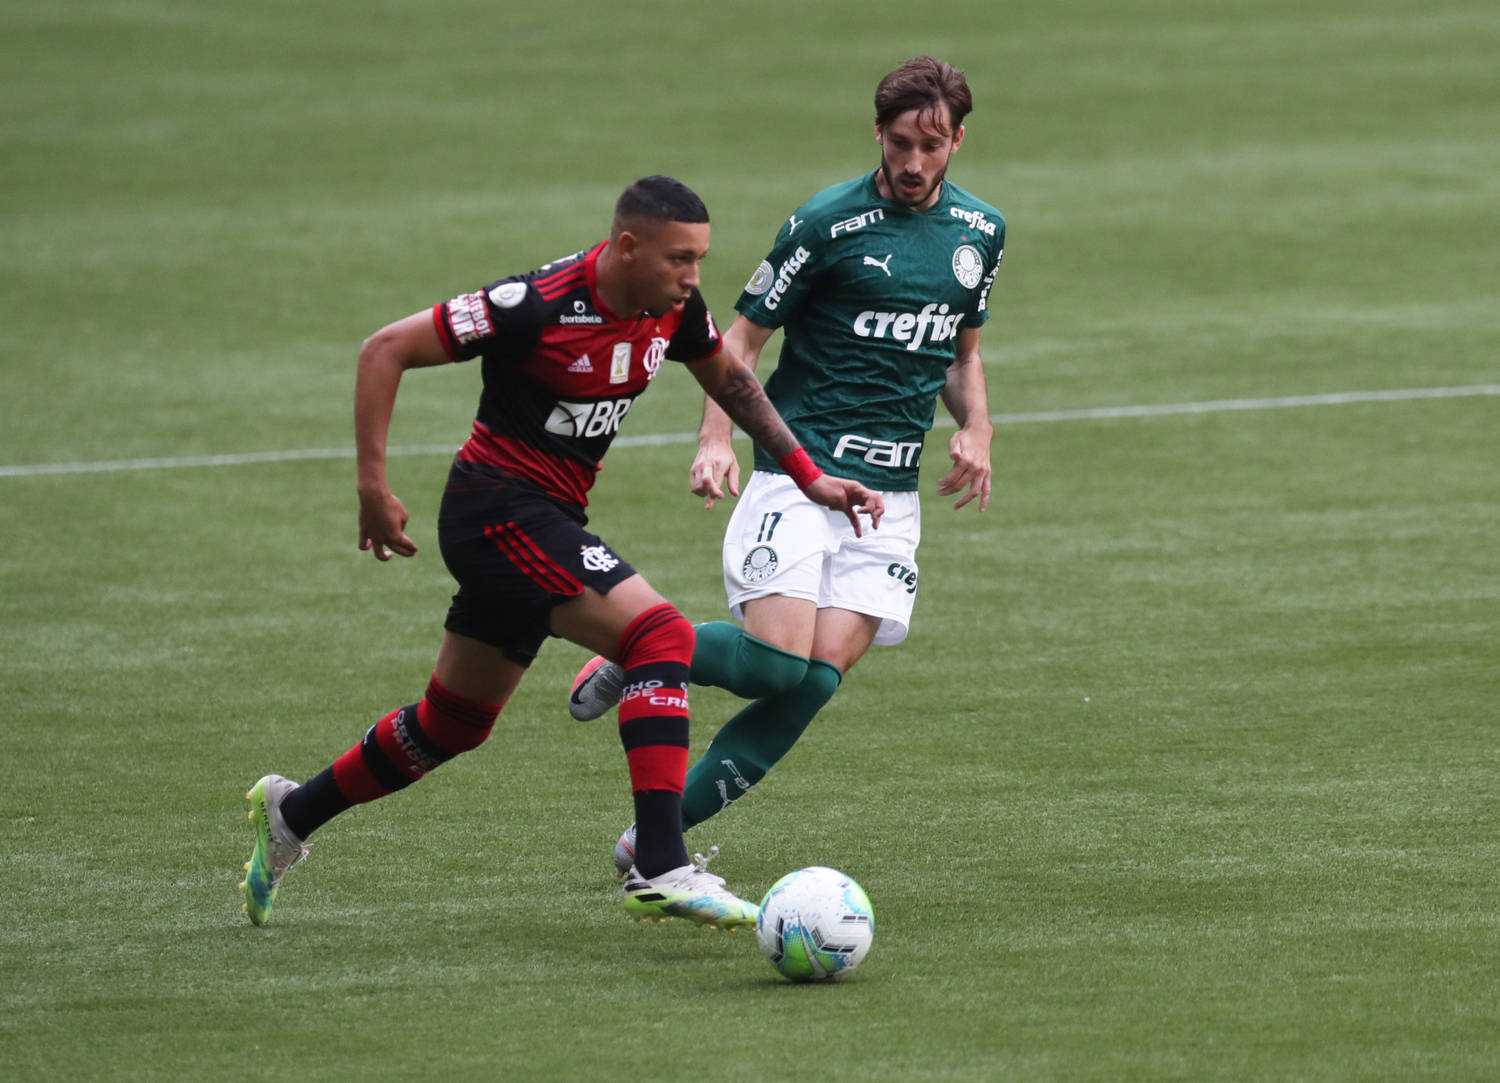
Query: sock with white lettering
pixel 655 651
pixel 395 752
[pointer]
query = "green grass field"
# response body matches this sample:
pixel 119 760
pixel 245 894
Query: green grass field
pixel 1189 767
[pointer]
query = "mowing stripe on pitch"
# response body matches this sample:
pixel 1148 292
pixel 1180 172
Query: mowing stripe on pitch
pixel 1099 413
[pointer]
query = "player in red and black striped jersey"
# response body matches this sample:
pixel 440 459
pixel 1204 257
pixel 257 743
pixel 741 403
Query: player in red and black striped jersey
pixel 561 369
pixel 565 351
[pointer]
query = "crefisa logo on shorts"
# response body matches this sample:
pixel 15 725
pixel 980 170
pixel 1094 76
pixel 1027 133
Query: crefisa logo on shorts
pixel 760 564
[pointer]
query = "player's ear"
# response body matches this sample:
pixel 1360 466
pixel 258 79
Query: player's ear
pixel 958 137
pixel 626 244
pixel 879 135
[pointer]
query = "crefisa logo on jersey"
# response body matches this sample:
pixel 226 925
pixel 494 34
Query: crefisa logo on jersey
pixel 789 271
pixel 933 324
pixel 759 565
pixel 974 220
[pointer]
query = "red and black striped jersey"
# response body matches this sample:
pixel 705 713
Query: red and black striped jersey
pixel 560 369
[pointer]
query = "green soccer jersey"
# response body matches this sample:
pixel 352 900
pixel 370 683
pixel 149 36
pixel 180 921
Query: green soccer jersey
pixel 871 297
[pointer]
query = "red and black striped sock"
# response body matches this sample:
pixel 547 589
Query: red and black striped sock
pixel 656 652
pixel 395 752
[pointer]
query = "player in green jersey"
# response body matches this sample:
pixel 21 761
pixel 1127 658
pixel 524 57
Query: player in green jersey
pixel 881 285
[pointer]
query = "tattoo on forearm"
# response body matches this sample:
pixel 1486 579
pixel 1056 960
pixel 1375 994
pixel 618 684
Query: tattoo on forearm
pixel 744 400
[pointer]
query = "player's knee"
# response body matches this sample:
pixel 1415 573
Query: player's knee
pixel 820 683
pixel 772 669
pixel 729 657
pixel 659 635
pixel 453 724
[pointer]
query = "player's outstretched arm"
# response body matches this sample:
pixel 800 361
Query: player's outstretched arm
pixel 383 359
pixel 967 399
pixel 732 385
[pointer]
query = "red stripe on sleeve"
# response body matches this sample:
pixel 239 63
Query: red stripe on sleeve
pixel 444 333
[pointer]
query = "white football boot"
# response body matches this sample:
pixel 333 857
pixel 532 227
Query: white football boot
pixel 690 892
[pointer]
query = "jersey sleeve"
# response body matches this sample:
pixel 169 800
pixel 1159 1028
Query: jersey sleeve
pixel 502 318
pixel 783 280
pixel 995 254
pixel 696 336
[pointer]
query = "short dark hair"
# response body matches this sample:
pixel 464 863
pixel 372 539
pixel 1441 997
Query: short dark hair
pixel 660 199
pixel 924 83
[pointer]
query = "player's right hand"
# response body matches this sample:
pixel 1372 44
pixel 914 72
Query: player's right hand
pixel 382 526
pixel 714 463
pixel 849 497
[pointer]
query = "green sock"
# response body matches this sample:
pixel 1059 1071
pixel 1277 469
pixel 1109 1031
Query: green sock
pixel 752 741
pixel 726 656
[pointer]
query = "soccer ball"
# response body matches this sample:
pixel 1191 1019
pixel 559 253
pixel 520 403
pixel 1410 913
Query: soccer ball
pixel 815 923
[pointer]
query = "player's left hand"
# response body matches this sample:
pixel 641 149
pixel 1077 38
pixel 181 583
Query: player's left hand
pixel 970 452
pixel 382 526
pixel 849 497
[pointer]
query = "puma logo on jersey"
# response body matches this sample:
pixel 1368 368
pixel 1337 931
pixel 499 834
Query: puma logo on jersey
pixel 883 264
pixel 792 223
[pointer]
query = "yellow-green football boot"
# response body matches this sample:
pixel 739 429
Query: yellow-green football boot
pixel 276 848
pixel 690 892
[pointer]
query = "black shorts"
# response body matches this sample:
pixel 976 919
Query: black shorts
pixel 516 553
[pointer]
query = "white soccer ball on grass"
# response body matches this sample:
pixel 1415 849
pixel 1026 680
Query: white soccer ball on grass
pixel 815 923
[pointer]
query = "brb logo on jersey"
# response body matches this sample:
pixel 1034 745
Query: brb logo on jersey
pixel 909 328
pixel 586 420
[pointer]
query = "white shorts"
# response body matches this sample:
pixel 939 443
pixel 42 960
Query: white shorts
pixel 780 542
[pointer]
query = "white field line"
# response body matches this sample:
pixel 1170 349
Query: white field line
pixel 1099 413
